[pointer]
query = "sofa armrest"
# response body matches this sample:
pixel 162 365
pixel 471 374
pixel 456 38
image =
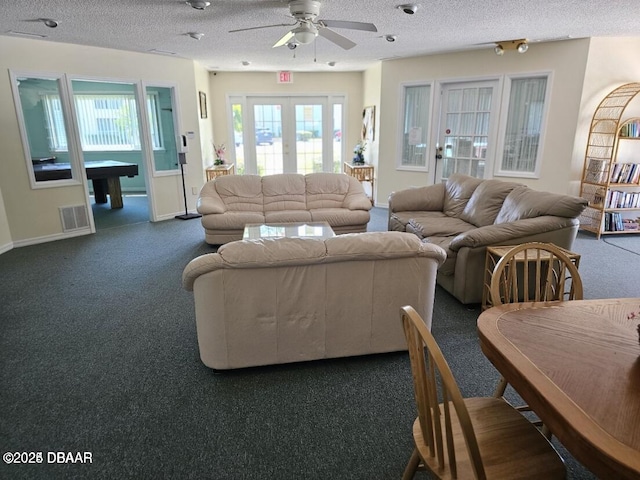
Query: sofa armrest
pixel 199 266
pixel 411 199
pixel 209 201
pixel 506 233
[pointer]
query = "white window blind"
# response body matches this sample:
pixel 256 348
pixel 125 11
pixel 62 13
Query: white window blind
pixel 105 122
pixel 415 125
pixel 524 124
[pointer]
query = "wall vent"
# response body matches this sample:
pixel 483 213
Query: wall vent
pixel 74 218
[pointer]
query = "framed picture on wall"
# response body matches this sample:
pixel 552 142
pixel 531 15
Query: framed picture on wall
pixel 369 123
pixel 203 104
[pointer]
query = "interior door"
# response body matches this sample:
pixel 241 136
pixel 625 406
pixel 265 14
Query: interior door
pixel 467 131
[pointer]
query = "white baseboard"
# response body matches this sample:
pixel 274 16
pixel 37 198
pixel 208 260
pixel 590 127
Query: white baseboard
pixel 51 238
pixel 6 248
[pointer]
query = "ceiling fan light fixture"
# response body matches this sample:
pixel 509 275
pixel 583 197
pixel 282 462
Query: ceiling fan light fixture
pixel 305 33
pixel 198 4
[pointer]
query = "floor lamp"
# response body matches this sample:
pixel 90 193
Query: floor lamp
pixel 182 157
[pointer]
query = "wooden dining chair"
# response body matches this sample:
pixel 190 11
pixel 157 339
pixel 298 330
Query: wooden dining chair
pixel 480 438
pixel 534 272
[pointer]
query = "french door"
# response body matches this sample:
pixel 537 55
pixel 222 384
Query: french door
pixel 468 124
pixel 288 135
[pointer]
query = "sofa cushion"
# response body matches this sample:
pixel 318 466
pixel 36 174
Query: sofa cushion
pixel 339 217
pixel 449 265
pixel 326 190
pixel 486 201
pixel 241 192
pixel 287 216
pixel 524 202
pixel 459 189
pixel 286 191
pixel 232 220
pixel 438 224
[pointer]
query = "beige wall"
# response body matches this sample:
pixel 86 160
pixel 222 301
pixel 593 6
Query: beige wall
pixel 372 95
pixel 224 84
pixel 566 62
pixel 611 63
pixel 32 215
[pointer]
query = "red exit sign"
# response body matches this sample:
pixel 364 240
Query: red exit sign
pixel 285 77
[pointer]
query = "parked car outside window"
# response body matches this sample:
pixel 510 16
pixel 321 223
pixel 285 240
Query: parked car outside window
pixel 264 136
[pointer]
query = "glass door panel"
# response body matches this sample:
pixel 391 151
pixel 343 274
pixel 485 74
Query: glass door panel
pixel 160 106
pixel 267 136
pixel 467 123
pixel 308 121
pixel 45 126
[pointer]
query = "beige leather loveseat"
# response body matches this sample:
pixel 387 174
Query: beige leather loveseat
pixel 271 301
pixel 229 202
pixel 466 214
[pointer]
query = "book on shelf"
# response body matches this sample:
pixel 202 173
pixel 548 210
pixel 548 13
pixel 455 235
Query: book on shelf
pixel 625 173
pixel 630 130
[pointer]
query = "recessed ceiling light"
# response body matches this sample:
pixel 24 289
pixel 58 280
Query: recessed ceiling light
pixel 390 38
pixel 49 22
pixel 196 35
pixel 198 4
pixel 409 8
pixel 331 64
pixel 246 63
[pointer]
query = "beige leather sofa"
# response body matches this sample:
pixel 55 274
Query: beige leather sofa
pixel 272 301
pixel 466 214
pixel 229 202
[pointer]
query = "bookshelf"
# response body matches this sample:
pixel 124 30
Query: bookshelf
pixel 611 181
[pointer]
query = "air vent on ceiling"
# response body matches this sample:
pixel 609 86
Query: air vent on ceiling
pixel 74 218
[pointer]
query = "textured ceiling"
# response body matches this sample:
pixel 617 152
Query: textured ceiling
pixel 437 26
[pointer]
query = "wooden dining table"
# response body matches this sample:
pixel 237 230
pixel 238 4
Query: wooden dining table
pixel 577 365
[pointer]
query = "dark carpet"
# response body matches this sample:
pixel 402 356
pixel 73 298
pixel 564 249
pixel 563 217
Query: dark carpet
pixel 98 353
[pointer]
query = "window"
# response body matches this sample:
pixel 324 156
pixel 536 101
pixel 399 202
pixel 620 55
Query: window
pixel 415 127
pixel 106 122
pixel 524 125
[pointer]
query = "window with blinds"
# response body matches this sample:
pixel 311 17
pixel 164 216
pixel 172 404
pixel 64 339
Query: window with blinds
pixel 105 122
pixel 524 125
pixel 415 126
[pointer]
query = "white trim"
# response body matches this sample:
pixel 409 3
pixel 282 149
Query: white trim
pixel 400 128
pixel 5 248
pixel 495 116
pixel 50 238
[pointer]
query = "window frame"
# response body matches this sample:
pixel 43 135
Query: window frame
pixel 128 97
pixel 427 130
pixel 498 170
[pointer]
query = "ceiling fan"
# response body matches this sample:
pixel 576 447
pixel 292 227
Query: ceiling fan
pixel 308 26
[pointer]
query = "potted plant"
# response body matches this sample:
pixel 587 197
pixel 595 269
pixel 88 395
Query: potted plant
pixel 219 152
pixel 358 158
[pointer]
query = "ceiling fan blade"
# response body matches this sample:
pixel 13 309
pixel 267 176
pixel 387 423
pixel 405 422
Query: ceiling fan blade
pixel 336 38
pixel 283 41
pixel 367 27
pixel 264 26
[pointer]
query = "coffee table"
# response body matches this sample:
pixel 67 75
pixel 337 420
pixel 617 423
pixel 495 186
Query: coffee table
pixel 319 230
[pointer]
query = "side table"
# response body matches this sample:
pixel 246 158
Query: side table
pixel 363 173
pixel 219 170
pixel 493 256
